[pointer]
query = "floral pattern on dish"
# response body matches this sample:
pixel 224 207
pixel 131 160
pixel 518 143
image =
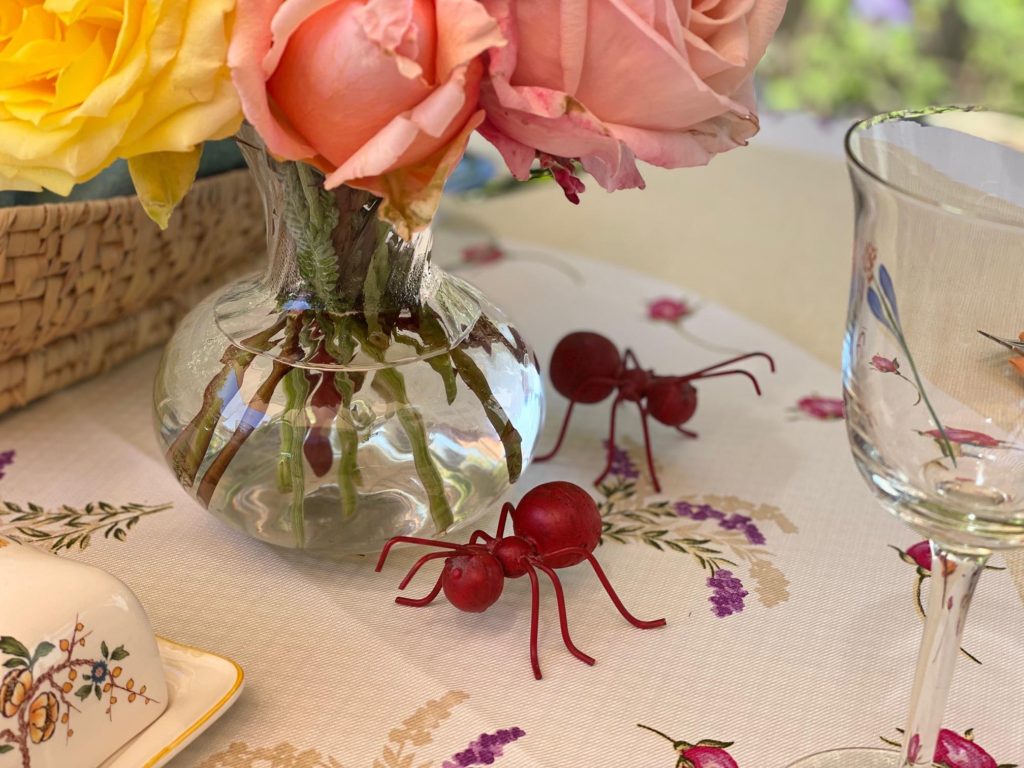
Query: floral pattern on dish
pixel 35 697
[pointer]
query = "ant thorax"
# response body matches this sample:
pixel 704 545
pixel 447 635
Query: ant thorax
pixel 633 383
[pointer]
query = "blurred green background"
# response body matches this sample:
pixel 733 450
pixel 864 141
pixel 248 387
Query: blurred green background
pixel 848 57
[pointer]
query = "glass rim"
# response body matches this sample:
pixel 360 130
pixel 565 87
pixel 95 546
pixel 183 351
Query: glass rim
pixel 907 114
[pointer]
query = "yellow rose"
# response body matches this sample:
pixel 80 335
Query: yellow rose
pixel 85 82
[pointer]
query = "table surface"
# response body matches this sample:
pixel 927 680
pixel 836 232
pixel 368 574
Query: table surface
pixel 812 642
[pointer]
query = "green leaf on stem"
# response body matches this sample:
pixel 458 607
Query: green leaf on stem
pixel 296 388
pixel 474 378
pixel 12 647
pixel 347 385
pixel 375 287
pixel 42 650
pixel 311 216
pixel 15 663
pixel 84 691
pixel 435 336
pixel 390 384
pixel 119 653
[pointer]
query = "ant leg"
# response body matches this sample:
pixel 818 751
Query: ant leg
pixel 568 414
pixel 730 361
pixel 563 620
pixel 411 540
pixel 757 387
pixel 647 448
pixel 561 435
pixel 687 432
pixel 419 564
pixel 506 509
pixel 630 355
pixel 535 595
pixel 611 443
pixel 418 602
pixel 481 535
pixel 608 588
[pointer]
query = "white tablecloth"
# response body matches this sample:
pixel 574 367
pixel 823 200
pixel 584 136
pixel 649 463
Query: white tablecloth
pixel 810 644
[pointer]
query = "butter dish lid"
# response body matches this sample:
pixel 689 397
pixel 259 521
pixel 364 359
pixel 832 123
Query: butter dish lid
pixel 81 671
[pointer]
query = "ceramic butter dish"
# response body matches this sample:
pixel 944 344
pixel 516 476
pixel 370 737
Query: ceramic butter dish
pixel 81 671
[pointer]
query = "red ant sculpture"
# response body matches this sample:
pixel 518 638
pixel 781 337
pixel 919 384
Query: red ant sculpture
pixel 557 525
pixel 586 368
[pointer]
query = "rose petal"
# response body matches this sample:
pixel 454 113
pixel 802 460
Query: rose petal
pixel 251 41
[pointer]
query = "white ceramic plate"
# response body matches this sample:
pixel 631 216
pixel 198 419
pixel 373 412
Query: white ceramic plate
pixel 201 687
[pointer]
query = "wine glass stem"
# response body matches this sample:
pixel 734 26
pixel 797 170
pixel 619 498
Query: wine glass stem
pixel 955 572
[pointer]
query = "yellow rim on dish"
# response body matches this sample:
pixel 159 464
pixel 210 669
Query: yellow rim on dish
pixel 183 736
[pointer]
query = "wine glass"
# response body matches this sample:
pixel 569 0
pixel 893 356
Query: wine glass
pixel 933 369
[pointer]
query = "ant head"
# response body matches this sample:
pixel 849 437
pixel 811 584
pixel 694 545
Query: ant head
pixel 671 401
pixel 472 582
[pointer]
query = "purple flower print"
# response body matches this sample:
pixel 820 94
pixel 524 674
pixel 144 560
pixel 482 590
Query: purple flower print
pixel 891 11
pixel 727 522
pixel 6 459
pixel 822 408
pixel 485 749
pixel 669 310
pixel 728 594
pixel 622 463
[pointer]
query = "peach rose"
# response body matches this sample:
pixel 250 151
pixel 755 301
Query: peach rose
pixel 379 94
pixel 609 81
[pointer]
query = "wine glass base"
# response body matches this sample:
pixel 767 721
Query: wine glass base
pixel 850 758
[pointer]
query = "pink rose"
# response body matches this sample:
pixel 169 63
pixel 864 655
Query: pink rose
pixel 609 81
pixel 379 94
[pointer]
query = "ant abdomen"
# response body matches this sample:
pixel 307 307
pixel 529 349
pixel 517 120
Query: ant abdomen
pixel 584 366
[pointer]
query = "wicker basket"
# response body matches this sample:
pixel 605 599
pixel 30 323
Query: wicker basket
pixel 86 285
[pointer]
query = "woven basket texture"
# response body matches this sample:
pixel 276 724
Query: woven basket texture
pixel 87 285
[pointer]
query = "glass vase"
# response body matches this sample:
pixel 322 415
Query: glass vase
pixel 354 391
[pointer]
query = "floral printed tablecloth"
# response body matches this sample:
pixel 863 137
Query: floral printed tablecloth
pixel 792 598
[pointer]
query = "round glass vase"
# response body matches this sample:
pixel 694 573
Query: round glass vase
pixel 352 393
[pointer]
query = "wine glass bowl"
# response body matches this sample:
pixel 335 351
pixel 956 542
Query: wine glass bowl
pixel 935 409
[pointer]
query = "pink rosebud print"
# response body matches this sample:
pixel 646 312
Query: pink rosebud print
pixel 921 553
pixel 885 364
pixel 669 310
pixel 485 253
pixel 823 408
pixel 706 753
pixel 956 751
pixel 965 437
pixel 711 757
